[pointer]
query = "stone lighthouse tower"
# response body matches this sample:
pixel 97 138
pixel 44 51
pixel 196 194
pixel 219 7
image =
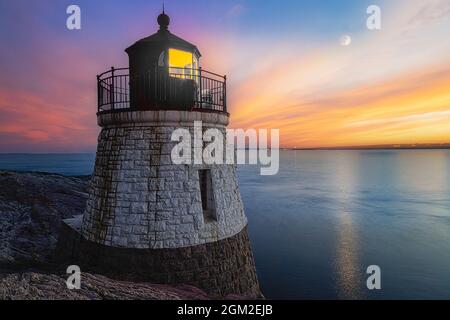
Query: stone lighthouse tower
pixel 148 219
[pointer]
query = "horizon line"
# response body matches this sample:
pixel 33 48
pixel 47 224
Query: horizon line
pixel 418 146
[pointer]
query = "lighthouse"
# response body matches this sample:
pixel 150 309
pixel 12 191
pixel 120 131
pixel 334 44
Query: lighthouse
pixel 147 218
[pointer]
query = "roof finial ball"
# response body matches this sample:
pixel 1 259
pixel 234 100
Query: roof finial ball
pixel 163 20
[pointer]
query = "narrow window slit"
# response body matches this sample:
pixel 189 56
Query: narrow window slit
pixel 207 195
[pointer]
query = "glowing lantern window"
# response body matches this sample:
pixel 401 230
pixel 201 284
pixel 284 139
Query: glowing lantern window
pixel 182 63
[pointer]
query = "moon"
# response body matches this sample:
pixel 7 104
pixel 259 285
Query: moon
pixel 345 40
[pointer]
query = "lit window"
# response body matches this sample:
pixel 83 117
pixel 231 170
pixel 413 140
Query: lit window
pixel 181 63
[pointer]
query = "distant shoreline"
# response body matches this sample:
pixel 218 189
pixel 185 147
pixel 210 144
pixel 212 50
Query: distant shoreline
pixel 363 148
pixel 382 147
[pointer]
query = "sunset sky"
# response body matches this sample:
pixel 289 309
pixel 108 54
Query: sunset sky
pixel 286 67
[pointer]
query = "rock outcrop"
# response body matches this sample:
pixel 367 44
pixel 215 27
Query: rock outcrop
pixel 38 286
pixel 32 207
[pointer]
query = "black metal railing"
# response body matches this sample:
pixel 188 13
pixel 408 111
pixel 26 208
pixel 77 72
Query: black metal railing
pixel 161 89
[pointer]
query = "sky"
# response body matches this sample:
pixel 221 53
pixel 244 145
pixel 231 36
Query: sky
pixel 286 65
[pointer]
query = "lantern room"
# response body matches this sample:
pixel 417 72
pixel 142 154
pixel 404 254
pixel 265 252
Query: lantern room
pixel 164 74
pixel 163 50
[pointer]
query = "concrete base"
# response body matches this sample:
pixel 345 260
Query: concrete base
pixel 219 268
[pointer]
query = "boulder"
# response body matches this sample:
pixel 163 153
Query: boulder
pixel 32 206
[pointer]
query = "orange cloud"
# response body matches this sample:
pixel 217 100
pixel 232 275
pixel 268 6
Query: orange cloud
pixel 412 108
pixel 29 122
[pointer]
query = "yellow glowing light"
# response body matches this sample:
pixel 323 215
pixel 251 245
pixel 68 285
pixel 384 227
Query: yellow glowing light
pixel 182 64
pixel 180 59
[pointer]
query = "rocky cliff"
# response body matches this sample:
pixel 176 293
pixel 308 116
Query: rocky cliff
pixel 32 206
pixel 42 286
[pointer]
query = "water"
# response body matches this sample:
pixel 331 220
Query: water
pixel 327 215
pixel 72 164
pixel 318 224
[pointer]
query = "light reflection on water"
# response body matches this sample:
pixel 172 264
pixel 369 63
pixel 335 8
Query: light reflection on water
pixel 348 271
pixel 347 265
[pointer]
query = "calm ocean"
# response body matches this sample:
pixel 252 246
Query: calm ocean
pixel 317 225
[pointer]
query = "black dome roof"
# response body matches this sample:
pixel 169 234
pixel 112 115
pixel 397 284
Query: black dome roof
pixel 164 39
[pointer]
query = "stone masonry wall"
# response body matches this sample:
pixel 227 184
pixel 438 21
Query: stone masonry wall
pixel 140 199
pixel 220 268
